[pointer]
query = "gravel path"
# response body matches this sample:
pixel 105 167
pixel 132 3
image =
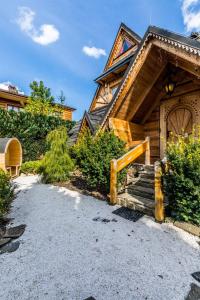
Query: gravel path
pixel 65 254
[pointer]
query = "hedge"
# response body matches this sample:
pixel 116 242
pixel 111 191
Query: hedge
pixel 182 178
pixel 30 129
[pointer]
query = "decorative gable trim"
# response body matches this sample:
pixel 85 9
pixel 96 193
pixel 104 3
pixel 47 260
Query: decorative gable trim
pixel 194 50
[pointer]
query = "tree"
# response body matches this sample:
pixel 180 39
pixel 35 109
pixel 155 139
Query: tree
pixel 56 164
pixel 40 101
pixel 62 98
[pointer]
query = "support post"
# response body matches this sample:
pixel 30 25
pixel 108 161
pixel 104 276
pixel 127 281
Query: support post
pixel 147 152
pixel 159 196
pixel 113 181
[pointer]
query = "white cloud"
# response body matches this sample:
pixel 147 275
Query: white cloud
pixel 94 52
pixel 45 35
pixel 191 14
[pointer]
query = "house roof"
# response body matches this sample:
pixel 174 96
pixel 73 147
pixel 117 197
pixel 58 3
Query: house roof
pixel 181 42
pixel 115 67
pixel 134 35
pixel 14 96
pixel 94 119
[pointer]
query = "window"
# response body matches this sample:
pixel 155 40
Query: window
pixel 125 46
pixel 12 107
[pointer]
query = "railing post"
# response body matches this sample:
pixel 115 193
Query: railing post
pixel 113 181
pixel 147 152
pixel 159 196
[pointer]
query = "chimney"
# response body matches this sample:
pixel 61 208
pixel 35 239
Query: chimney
pixel 195 36
pixel 12 89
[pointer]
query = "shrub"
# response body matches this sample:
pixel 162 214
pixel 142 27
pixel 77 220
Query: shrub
pixel 31 167
pixel 183 177
pixel 30 129
pixel 93 156
pixel 56 164
pixel 6 193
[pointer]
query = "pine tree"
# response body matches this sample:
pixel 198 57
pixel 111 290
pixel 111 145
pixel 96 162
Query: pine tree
pixel 56 164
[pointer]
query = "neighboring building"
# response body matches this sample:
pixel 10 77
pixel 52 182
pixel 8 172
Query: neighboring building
pixel 131 97
pixel 12 99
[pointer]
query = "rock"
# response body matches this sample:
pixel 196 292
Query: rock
pixel 4 241
pixel 15 232
pixel 194 293
pixel 9 248
pixel 196 276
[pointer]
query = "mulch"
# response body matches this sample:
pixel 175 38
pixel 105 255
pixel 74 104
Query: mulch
pixel 78 183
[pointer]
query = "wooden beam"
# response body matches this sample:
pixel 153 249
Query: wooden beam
pixel 152 107
pixel 113 181
pixel 159 196
pixel 146 91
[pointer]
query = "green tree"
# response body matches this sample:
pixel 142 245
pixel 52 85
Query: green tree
pixel 40 101
pixel 56 164
pixel 62 98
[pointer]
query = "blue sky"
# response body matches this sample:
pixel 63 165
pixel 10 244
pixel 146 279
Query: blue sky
pixel 66 43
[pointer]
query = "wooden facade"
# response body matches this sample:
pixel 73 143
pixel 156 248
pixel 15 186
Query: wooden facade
pixel 12 100
pixel 131 94
pixel 131 87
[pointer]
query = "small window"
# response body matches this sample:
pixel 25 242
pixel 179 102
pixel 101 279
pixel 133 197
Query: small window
pixel 125 46
pixel 12 107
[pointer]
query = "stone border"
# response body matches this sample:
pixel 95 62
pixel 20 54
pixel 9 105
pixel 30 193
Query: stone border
pixel 190 228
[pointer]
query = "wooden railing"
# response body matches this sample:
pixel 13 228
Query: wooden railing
pixel 159 195
pixel 118 164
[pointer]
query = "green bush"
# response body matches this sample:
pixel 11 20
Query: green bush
pixel 56 164
pixel 93 156
pixel 182 178
pixel 6 193
pixel 30 129
pixel 31 167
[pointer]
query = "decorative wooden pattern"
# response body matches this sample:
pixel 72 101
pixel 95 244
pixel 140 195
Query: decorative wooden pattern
pixel 179 121
pixel 10 155
pixel 119 164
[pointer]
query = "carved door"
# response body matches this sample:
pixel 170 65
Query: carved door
pixel 179 122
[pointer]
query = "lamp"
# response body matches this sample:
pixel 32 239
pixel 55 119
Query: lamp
pixel 170 86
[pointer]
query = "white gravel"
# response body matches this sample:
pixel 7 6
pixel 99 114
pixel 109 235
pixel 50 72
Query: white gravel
pixel 64 254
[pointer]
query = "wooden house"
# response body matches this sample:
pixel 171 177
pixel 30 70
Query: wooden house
pixel 150 87
pixel 12 99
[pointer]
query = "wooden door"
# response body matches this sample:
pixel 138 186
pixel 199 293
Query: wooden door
pixel 179 122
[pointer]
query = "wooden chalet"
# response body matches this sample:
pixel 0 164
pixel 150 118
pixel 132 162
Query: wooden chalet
pixel 12 99
pixel 150 87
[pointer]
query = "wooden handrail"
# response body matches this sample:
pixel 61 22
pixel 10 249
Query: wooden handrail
pixel 117 165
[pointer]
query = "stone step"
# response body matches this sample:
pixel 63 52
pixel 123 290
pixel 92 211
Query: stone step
pixel 147 192
pixel 145 182
pixel 141 167
pixel 137 203
pixel 149 175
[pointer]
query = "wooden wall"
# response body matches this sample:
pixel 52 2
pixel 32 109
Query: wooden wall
pixel 67 115
pixel 126 131
pixel 152 129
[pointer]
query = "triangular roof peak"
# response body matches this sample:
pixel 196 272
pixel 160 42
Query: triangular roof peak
pixel 126 42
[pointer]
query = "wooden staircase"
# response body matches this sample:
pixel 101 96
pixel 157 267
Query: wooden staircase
pixel 139 192
pixel 143 189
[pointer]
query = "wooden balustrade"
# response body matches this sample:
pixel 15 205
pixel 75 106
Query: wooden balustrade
pixel 119 164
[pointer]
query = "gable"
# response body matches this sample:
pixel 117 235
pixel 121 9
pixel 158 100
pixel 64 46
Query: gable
pixel 158 47
pixel 126 42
